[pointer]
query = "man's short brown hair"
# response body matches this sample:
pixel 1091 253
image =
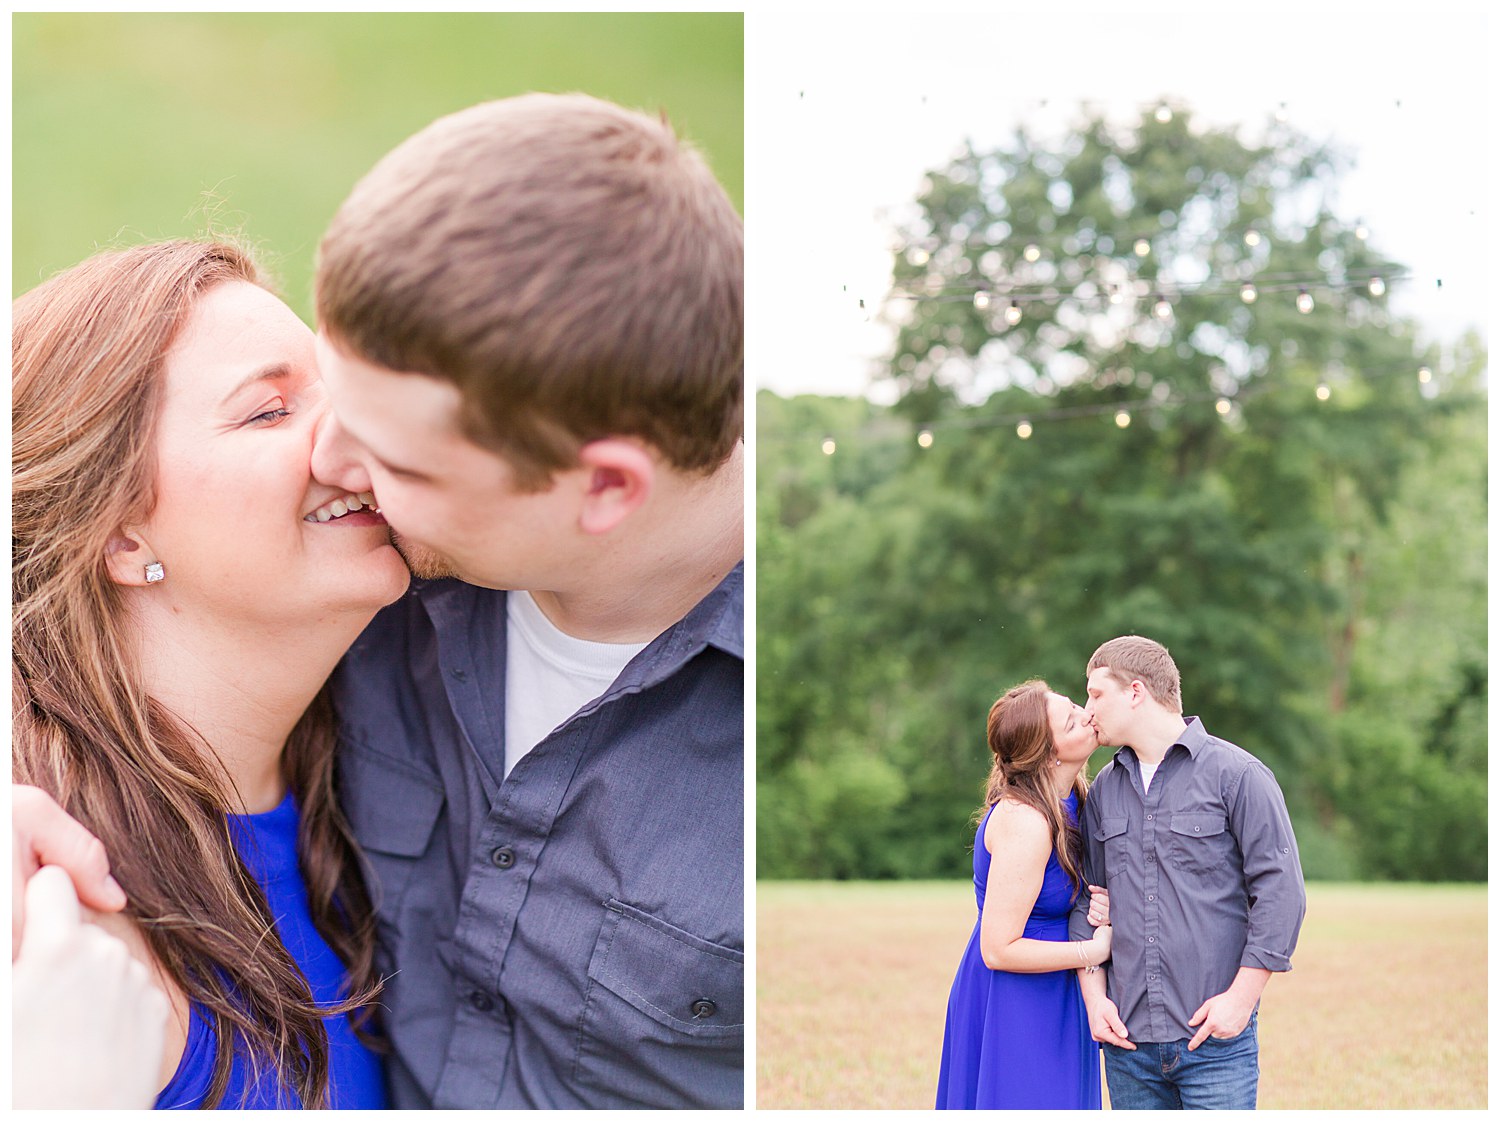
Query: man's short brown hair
pixel 1134 658
pixel 568 264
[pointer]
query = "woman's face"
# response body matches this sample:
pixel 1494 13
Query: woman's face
pixel 1073 734
pixel 236 522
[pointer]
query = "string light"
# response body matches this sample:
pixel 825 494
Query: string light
pixel 1361 232
pixel 1032 252
pixel 1013 313
pixel 1252 238
pixel 1142 247
pixel 1304 301
pixel 1163 114
pixel 1025 424
pixel 924 438
pixel 1163 309
pixel 936 289
pixel 981 300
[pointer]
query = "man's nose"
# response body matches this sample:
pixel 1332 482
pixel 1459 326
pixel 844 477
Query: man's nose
pixel 335 459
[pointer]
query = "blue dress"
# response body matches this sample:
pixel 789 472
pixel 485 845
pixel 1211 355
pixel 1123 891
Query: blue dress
pixel 1019 1041
pixel 267 843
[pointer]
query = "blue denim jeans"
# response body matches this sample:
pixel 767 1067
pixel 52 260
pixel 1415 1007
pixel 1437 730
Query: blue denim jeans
pixel 1217 1075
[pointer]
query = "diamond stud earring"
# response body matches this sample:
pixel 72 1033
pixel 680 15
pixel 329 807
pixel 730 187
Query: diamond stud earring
pixel 154 572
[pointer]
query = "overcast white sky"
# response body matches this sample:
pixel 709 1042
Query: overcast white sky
pixel 846 111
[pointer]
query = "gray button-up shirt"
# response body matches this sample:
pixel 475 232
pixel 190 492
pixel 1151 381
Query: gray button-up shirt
pixel 1203 878
pixel 571 935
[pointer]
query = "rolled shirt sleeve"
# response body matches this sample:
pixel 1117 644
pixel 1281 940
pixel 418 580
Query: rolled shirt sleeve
pixel 1272 868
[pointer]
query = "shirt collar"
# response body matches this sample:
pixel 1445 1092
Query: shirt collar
pixel 720 616
pixel 718 620
pixel 1193 737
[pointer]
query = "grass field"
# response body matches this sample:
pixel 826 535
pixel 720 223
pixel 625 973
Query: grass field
pixel 130 126
pixel 1386 1007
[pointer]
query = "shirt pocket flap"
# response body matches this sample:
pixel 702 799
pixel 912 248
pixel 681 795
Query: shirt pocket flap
pixel 1198 825
pixel 1111 828
pixel 392 808
pixel 673 977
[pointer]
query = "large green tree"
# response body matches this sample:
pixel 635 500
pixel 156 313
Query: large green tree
pixel 1257 513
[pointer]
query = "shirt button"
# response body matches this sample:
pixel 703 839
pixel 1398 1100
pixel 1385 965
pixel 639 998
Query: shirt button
pixel 481 1001
pixel 703 1009
pixel 1197 828
pixel 503 858
pixel 1150 898
pixel 1149 817
pixel 1150 938
pixel 459 674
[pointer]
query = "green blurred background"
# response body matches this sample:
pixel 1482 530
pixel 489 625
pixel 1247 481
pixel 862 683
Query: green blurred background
pixel 137 127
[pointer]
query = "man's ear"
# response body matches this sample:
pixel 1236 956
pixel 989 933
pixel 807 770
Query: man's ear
pixel 126 556
pixel 619 477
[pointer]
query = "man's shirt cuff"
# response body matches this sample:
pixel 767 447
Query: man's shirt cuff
pixel 1266 960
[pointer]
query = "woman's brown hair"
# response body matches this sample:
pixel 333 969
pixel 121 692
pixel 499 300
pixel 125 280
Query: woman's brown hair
pixel 1020 738
pixel 88 348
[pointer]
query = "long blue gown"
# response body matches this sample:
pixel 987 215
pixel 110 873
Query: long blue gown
pixel 1019 1041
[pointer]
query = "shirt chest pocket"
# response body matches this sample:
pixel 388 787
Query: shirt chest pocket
pixel 664 1021
pixel 1111 832
pixel 392 810
pixel 1199 842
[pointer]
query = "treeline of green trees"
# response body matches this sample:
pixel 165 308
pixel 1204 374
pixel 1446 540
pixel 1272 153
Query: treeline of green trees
pixel 1295 512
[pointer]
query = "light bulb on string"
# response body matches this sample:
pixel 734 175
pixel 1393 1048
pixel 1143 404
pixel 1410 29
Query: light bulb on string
pixel 1424 374
pixel 1377 286
pixel 1304 301
pixel 829 447
pixel 1032 252
pixel 981 300
pixel 1115 295
pixel 1248 293
pixel 1223 406
pixel 924 438
pixel 1142 247
pixel 1163 114
pixel 1122 419
pixel 1323 391
pixel 1163 308
pixel 1013 313
pixel 1023 430
pixel 1252 238
pixel 1361 232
